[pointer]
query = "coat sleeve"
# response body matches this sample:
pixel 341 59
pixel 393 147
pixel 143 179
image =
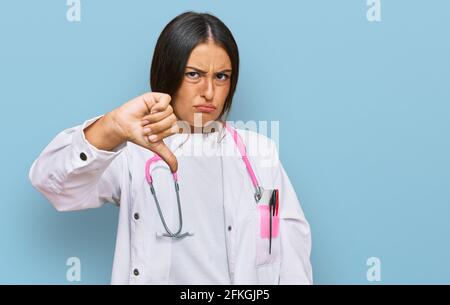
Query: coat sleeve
pixel 294 232
pixel 74 175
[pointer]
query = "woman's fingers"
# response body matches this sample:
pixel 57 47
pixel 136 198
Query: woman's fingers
pixel 162 101
pixel 156 117
pixel 155 101
pixel 160 126
pixel 159 136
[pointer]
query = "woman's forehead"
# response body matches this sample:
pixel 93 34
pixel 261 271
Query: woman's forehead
pixel 207 56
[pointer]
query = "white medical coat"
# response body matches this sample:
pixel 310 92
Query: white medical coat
pixel 74 175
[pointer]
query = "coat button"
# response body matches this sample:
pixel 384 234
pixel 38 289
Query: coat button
pixel 229 228
pixel 136 272
pixel 136 216
pixel 83 156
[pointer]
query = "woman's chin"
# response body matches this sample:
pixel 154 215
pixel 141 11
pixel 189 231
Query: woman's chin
pixel 205 125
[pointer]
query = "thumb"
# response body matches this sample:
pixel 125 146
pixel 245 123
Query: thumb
pixel 166 154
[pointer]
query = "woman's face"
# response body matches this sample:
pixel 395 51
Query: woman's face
pixel 205 85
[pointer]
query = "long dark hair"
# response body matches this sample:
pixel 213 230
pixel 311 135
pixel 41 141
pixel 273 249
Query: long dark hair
pixel 175 44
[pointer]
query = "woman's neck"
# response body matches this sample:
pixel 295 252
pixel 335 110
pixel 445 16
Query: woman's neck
pixel 212 127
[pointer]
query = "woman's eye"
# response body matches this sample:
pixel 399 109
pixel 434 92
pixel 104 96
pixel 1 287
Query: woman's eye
pixel 193 75
pixel 222 76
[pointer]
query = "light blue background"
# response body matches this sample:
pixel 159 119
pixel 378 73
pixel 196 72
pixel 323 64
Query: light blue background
pixel 363 110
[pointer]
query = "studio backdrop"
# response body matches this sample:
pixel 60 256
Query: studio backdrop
pixel 356 93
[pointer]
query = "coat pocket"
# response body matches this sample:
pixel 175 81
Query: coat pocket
pixel 267 248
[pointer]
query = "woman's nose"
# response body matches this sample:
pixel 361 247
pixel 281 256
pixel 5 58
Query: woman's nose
pixel 208 89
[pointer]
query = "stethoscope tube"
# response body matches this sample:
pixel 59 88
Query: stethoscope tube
pixel 169 233
pixel 178 235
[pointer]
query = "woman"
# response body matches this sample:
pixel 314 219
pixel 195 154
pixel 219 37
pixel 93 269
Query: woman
pixel 223 223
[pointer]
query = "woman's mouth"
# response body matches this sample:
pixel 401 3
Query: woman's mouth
pixel 208 108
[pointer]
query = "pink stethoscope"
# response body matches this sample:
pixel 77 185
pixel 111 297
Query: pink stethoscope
pixel 178 235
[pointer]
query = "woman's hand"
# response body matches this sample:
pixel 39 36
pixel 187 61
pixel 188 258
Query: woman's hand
pixel 145 120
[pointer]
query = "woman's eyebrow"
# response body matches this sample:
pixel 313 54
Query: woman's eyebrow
pixel 204 72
